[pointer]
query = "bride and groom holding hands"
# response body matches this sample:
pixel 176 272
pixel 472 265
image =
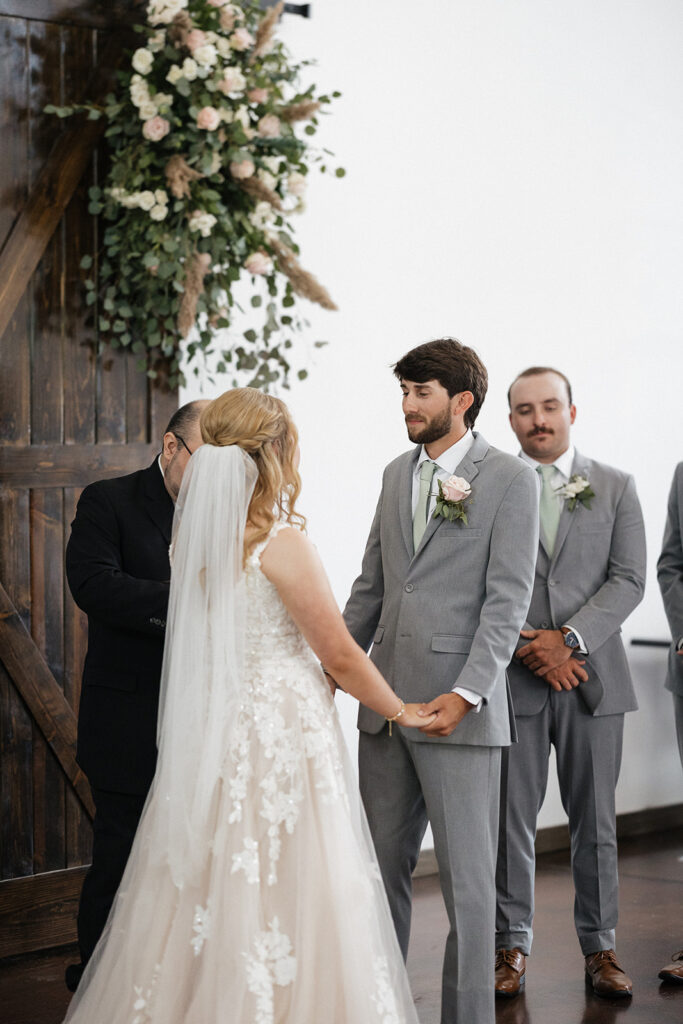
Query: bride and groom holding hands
pixel 252 889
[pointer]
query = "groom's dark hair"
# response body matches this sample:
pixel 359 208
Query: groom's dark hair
pixel 456 367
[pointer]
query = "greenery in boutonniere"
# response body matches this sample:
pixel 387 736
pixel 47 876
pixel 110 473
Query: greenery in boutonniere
pixel 578 489
pixel 209 138
pixel 450 502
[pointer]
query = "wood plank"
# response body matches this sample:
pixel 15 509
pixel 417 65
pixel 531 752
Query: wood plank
pixel 36 685
pixel 71 465
pixel 54 188
pixel 39 911
pixel 76 12
pixel 163 403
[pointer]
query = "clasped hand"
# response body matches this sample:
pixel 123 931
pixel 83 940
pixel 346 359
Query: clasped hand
pixel 547 656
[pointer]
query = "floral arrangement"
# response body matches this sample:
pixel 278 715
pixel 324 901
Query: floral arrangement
pixel 450 502
pixel 577 490
pixel 208 164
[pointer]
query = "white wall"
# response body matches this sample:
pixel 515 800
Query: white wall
pixel 514 180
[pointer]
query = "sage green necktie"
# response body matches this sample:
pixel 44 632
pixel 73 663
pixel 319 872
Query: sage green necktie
pixel 549 507
pixel 427 471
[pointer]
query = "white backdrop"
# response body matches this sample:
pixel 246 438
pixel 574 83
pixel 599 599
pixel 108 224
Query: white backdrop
pixel 514 180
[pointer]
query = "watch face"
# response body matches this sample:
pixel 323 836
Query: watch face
pixel 571 639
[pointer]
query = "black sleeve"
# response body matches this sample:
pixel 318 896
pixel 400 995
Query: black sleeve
pixel 98 584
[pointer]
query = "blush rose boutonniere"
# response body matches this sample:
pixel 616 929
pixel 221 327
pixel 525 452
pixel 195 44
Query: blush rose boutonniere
pixel 578 489
pixel 450 502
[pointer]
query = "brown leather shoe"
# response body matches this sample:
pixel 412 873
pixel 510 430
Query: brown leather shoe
pixel 606 976
pixel 510 972
pixel 674 970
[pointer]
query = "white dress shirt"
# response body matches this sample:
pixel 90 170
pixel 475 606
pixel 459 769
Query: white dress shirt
pixel 446 464
pixel 563 471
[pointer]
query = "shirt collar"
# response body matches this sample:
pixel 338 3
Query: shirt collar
pixel 449 460
pixel 563 463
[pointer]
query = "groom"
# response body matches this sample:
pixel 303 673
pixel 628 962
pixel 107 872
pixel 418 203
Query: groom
pixel 441 602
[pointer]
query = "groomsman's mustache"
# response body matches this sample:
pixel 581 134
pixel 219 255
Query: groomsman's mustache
pixel 538 431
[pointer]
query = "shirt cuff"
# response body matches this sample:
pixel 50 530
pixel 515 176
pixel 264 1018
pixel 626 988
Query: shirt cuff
pixel 679 645
pixel 582 647
pixel 470 697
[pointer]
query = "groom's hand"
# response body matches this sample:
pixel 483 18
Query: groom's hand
pixel 449 708
pixel 545 651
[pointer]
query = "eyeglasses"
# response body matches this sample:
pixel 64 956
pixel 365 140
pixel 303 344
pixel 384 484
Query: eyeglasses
pixel 184 443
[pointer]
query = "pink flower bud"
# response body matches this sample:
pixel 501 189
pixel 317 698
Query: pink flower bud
pixel 156 128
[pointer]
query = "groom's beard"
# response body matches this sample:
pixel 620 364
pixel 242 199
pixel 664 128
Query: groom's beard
pixel 431 430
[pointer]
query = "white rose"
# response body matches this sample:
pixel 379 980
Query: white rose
pixel 190 69
pixel 148 110
pixel 233 81
pixel 158 212
pixel 130 202
pixel 296 184
pixel 206 55
pixel 272 163
pixel 162 12
pixel 146 200
pixel 175 74
pixel 157 41
pixel 163 99
pixel 202 222
pixel 268 179
pixel 216 163
pixel 142 61
pixel 161 196
pixel 263 215
pixel 223 46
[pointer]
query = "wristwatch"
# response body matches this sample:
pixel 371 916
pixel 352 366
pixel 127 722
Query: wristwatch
pixel 570 638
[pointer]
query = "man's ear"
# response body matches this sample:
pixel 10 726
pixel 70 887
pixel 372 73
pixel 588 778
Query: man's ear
pixel 572 413
pixel 170 445
pixel 461 402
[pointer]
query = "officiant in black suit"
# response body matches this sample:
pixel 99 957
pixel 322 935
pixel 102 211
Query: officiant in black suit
pixel 118 571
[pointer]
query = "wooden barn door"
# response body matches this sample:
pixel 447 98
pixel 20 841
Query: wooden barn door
pixel 67 417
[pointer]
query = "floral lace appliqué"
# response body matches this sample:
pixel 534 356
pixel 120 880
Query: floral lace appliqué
pixel 247 861
pixel 269 964
pixel 201 926
pixel 144 999
pixel 384 998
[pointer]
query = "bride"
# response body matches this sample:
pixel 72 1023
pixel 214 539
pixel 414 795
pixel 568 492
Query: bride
pixel 252 895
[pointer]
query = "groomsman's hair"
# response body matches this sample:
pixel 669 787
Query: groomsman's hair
pixel 184 418
pixel 456 367
pixel 534 371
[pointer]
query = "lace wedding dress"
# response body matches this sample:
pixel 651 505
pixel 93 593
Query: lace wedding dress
pixel 286 922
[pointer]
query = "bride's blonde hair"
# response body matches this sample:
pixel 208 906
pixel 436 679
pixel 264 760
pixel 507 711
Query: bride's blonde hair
pixel 261 425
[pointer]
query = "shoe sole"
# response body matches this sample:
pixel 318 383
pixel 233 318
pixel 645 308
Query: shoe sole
pixel 672 978
pixel 511 995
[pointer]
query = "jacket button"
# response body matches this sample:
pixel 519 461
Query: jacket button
pixel 409 588
pixel 545 625
pixel 551 583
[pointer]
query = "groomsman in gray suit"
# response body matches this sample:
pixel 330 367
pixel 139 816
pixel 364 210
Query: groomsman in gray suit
pixel 670 576
pixel 570 682
pixel 441 597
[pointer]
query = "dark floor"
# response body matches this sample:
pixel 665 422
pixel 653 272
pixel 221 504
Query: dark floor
pixel 650 929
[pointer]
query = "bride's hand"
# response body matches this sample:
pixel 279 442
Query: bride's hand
pixel 410 720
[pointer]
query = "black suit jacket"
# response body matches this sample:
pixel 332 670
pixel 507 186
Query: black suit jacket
pixel 118 571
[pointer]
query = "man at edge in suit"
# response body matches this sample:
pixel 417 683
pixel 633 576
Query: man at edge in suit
pixel 670 576
pixel 118 572
pixel 441 600
pixel 570 682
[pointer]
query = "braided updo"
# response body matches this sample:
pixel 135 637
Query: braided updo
pixel 261 425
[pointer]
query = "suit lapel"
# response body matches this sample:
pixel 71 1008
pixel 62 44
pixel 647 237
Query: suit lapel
pixel 468 470
pixel 567 518
pixel 158 503
pixel 405 500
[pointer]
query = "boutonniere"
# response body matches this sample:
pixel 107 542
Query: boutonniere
pixel 578 489
pixel 450 503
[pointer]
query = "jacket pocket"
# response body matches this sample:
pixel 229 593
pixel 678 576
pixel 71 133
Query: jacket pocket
pixel 379 633
pixel 450 644
pixel 459 532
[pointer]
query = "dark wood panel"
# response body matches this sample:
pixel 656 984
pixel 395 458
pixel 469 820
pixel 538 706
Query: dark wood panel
pixel 39 912
pixel 43 698
pixel 71 465
pixel 76 12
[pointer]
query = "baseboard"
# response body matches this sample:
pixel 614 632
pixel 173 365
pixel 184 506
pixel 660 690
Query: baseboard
pixel 556 838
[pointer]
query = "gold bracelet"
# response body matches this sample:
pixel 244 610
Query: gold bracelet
pixel 397 715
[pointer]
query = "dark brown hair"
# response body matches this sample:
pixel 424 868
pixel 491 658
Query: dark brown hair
pixel 456 367
pixel 535 371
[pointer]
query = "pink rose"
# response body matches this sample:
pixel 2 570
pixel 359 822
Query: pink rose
pixel 258 263
pixel 242 168
pixel 241 39
pixel 227 19
pixel 217 3
pixel 456 489
pixel 208 118
pixel 269 127
pixel 195 39
pixel 156 128
pixel 258 95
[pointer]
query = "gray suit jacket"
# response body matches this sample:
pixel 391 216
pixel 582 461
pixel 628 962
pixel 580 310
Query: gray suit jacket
pixel 450 612
pixel 670 576
pixel 593 581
